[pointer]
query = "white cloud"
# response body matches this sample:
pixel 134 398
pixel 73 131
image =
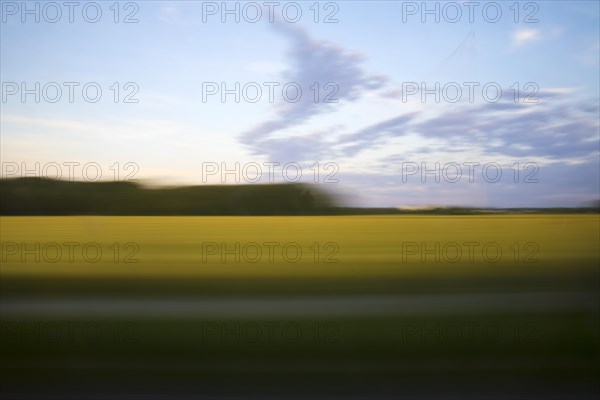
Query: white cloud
pixel 524 36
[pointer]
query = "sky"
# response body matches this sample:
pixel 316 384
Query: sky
pixel 385 103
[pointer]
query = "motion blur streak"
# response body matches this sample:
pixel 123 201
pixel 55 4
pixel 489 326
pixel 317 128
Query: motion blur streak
pixel 390 316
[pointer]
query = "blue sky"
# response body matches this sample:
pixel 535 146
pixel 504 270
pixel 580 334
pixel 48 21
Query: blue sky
pixel 375 133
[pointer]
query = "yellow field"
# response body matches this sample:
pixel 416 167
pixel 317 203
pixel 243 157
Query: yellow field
pixel 361 245
pixel 393 311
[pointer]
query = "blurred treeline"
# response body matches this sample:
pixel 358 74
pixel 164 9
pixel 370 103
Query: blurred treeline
pixel 41 196
pixel 38 196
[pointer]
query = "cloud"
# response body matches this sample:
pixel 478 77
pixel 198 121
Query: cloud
pixel 560 184
pixel 311 61
pixel 524 36
pixel 361 139
pixel 560 130
pixel 559 127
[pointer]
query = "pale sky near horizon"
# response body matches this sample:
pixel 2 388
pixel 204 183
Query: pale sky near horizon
pixel 369 56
